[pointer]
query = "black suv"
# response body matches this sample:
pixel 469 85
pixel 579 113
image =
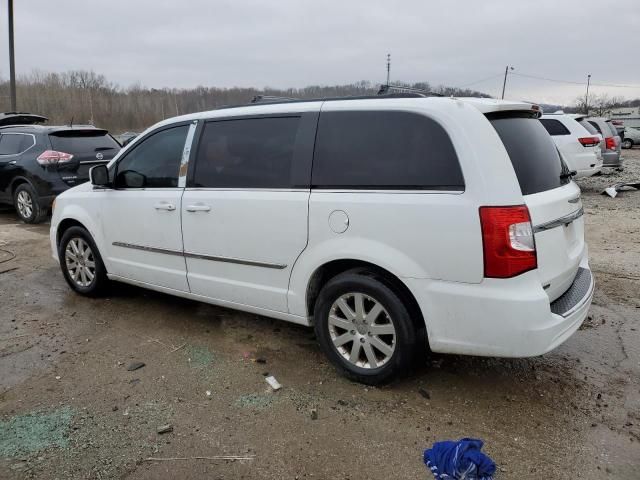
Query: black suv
pixel 39 162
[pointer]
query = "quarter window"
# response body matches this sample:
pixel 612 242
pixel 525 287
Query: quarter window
pixel 15 143
pixel 554 127
pixel 155 162
pixel 384 150
pixel 247 153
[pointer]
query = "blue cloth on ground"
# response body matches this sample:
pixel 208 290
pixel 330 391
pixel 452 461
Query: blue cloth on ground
pixel 459 460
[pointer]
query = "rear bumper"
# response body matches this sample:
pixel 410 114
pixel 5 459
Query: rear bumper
pixel 501 318
pixel 588 172
pixel 611 159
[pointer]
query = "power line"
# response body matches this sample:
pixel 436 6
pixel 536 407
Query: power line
pixel 573 82
pixel 480 81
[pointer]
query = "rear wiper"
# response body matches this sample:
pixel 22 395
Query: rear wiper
pixel 569 174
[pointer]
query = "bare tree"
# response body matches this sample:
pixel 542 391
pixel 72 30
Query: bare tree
pixel 599 105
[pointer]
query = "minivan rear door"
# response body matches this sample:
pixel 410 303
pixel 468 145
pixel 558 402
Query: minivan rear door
pixel 89 147
pixel 552 198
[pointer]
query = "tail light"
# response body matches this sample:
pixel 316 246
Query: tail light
pixel 53 157
pixel 610 143
pixel 589 141
pixel 507 240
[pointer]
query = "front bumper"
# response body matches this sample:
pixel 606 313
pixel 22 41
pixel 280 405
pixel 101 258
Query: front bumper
pixel 501 318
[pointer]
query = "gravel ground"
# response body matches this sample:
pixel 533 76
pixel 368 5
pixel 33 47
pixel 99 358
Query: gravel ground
pixel 71 409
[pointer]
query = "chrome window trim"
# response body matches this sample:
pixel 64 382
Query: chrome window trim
pixel 33 137
pixel 566 220
pixel 186 153
pixel 319 190
pixel 239 261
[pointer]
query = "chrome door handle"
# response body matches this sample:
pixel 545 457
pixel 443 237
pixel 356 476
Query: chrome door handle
pixel 198 207
pixel 12 162
pixel 165 206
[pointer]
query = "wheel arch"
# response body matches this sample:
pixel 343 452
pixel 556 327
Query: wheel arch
pixel 65 225
pixel 17 181
pixel 325 272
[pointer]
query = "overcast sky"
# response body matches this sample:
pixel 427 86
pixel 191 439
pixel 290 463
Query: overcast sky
pixel 294 43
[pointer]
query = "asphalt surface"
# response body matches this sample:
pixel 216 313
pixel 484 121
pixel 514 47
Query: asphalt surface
pixel 70 407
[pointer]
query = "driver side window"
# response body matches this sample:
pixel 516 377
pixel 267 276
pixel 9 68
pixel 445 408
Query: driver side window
pixel 155 162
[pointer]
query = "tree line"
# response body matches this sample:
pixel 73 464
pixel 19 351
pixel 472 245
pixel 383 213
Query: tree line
pixel 86 97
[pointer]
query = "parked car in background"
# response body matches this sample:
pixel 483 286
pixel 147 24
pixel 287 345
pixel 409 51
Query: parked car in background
pixel 611 146
pixel 21 118
pixel 39 162
pixel 579 148
pixel 631 137
pixel 126 138
pixel 389 224
pixel 619 126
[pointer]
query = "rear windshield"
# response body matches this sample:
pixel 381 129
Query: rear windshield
pixel 83 142
pixel 533 154
pixel 588 126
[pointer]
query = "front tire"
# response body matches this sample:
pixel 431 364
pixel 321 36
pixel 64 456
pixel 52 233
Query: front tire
pixel 25 200
pixel 81 263
pixel 365 329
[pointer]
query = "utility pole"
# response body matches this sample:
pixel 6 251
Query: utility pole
pixel 12 63
pixel 504 84
pixel 586 97
pixel 388 67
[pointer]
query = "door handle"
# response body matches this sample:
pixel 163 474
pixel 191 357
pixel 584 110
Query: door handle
pixel 198 207
pixel 165 206
pixel 13 162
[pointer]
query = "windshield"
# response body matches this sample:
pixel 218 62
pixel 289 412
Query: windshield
pixel 83 142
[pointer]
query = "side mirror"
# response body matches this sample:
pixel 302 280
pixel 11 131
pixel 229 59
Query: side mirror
pixel 99 176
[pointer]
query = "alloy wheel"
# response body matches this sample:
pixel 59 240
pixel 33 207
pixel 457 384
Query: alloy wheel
pixel 361 330
pixel 80 262
pixel 25 204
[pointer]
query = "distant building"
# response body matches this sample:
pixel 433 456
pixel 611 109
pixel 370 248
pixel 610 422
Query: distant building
pixel 630 115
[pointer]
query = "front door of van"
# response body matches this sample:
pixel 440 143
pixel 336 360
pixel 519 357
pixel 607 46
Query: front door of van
pixel 141 215
pixel 244 212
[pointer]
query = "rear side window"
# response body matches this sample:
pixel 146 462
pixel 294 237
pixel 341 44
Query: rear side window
pixel 613 128
pixel 596 126
pixel 533 154
pixel 384 150
pixel 15 143
pixel 247 153
pixel 554 127
pixel 77 142
pixel 588 127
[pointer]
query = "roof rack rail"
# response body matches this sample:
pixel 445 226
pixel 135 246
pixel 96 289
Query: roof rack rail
pixel 394 89
pixel 272 98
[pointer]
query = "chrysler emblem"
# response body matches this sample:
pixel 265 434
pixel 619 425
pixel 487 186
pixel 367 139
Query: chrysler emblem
pixel 99 156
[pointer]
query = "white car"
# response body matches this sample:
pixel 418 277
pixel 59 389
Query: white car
pixel 580 148
pixel 390 224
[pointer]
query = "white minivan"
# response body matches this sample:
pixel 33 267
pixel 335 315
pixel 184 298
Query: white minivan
pixel 579 148
pixel 393 225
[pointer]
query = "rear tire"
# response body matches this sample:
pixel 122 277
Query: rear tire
pixel 26 202
pixel 365 329
pixel 81 263
pixel 627 143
